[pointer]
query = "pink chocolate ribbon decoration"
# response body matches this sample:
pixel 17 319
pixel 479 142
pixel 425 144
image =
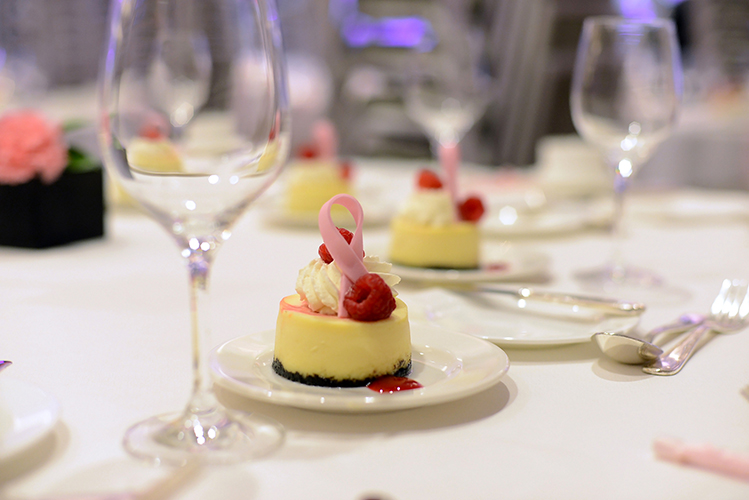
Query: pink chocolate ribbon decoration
pixel 449 158
pixel 347 257
pixel 325 138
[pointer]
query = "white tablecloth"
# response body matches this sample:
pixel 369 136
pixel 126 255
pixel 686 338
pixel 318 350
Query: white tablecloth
pixel 103 327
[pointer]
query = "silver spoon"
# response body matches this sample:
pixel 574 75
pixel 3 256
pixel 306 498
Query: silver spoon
pixel 632 350
pixel 5 364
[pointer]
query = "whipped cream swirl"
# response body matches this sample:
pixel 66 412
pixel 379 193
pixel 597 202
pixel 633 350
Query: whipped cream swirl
pixel 428 207
pixel 318 283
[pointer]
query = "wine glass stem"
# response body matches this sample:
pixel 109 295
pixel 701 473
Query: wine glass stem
pixel 621 183
pixel 202 399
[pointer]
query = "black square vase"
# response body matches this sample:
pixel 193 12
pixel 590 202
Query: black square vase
pixel 38 215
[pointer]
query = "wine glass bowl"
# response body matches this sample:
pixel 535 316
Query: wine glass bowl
pixel 194 125
pixel 445 103
pixel 625 99
pixel 447 88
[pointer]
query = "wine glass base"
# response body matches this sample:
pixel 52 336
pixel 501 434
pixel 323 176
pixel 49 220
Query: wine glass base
pixel 218 437
pixel 630 283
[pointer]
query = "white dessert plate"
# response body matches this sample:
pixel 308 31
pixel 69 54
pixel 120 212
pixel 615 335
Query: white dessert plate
pixel 500 262
pixel 691 206
pixel 503 320
pixel 27 414
pixel 559 218
pixel 448 365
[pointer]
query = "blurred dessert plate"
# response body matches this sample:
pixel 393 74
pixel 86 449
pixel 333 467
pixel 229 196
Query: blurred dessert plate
pixel 509 322
pixel 499 262
pixel 27 414
pixel 692 205
pixel 554 218
pixel 448 365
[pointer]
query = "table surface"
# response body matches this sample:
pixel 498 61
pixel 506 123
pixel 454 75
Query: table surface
pixel 102 326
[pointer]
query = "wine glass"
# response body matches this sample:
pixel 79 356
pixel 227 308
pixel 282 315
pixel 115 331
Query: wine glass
pixel 194 126
pixel 625 99
pixel 447 87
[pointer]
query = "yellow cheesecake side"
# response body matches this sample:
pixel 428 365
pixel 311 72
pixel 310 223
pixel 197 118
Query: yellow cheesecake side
pixel 454 245
pixel 340 349
pixel 311 184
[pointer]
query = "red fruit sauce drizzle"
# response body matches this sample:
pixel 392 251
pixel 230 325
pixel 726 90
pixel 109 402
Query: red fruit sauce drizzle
pixel 391 384
pixel 497 266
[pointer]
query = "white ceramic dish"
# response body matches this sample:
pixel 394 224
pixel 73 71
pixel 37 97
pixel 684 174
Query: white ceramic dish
pixel 448 365
pixel 27 414
pixel 560 218
pixel 498 263
pixel 501 320
pixel 691 206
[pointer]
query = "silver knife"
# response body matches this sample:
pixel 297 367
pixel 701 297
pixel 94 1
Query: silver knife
pixel 610 306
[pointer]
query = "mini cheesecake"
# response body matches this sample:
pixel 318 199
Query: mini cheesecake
pixel 154 155
pixel 325 350
pixel 311 183
pixel 454 245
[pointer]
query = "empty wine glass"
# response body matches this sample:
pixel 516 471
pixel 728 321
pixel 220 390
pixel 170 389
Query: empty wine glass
pixel 626 94
pixel 447 86
pixel 194 126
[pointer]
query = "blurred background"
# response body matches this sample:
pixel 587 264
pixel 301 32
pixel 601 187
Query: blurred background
pixel 348 61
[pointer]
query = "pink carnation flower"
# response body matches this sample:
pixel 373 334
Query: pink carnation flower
pixel 30 146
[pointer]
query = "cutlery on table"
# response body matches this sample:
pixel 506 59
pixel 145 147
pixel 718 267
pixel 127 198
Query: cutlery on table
pixel 5 364
pixel 728 313
pixel 608 306
pixel 632 350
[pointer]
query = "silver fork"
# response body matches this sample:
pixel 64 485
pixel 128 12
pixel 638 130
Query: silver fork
pixel 729 313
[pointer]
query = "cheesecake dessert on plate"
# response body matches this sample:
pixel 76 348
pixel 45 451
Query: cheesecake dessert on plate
pixel 434 228
pixel 344 326
pixel 316 174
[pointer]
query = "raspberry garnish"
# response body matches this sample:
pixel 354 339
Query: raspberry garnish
pixel 429 180
pixel 323 250
pixel 346 170
pixel 307 151
pixel 151 131
pixel 369 299
pixel 471 209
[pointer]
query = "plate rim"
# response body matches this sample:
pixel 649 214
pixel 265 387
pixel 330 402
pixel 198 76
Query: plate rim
pixel 521 343
pixel 337 402
pixel 436 276
pixel 574 221
pixel 42 405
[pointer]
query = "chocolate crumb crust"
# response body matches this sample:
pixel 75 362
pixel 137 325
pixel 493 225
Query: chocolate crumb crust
pixel 401 370
pixel 440 268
